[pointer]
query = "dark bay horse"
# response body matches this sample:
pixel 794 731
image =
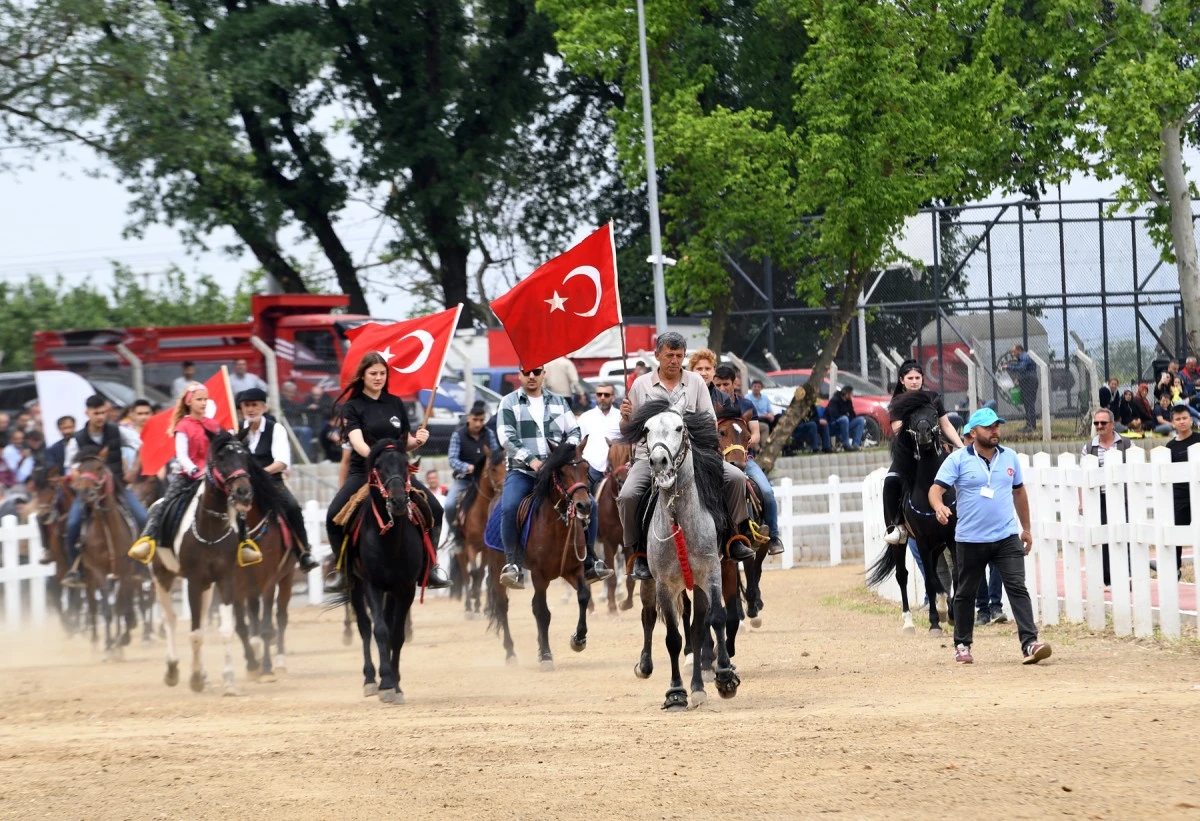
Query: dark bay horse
pixel 205 555
pixel 53 497
pixel 487 478
pixel 608 531
pixel 106 537
pixel 733 439
pixel 557 546
pixel 386 556
pixel 918 451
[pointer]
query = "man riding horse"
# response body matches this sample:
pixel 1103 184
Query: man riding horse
pixel 686 392
pixel 466 449
pixel 109 437
pixel 531 418
pixel 268 445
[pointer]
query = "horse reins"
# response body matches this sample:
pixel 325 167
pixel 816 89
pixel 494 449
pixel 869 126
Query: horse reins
pixel 415 515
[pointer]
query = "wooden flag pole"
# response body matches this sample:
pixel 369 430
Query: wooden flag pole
pixel 438 383
pixel 233 408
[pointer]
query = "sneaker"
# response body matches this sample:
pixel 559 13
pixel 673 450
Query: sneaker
pixel 896 535
pixel 512 576
pixel 1035 652
pixel 998 616
pixel 962 654
pixel 983 619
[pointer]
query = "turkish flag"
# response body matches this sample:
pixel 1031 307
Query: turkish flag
pixel 564 304
pixel 158 447
pixel 415 350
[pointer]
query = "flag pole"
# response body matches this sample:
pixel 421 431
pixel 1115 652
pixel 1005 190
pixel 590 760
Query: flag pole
pixel 612 241
pixel 233 408
pixel 441 368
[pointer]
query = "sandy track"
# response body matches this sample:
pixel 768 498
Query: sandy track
pixel 838 713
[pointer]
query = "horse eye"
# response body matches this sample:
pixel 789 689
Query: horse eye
pixel 678 428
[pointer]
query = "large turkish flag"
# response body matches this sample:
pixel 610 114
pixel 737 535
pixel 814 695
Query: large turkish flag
pixel 564 304
pixel 158 447
pixel 415 350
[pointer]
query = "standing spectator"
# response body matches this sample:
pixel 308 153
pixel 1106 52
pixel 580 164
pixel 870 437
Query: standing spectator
pixel 23 422
pixel 56 454
pixel 1181 420
pixel 296 415
pixel 815 430
pixel 1104 441
pixel 599 425
pixel 466 448
pixel 434 483
pixel 35 443
pixel 989 487
pixel 187 376
pixel 640 367
pixel 4 423
pixel 766 414
pixel 135 419
pixel 1162 416
pixel 1024 371
pixel 17 457
pixel 562 378
pixel 704 363
pixel 242 380
pixel 844 423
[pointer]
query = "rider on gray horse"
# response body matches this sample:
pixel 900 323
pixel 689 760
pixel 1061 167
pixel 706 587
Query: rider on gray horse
pixel 686 392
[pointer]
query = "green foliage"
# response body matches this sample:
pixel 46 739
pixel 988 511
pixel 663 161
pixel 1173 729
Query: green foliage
pixel 177 298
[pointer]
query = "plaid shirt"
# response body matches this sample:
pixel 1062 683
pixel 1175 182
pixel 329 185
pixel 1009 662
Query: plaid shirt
pixel 523 439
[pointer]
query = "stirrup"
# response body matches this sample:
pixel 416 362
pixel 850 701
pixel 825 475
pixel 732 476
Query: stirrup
pixel 140 546
pixel 251 547
pixel 738 538
pixel 759 534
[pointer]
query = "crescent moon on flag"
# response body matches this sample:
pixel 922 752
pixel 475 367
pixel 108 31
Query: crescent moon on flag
pixel 592 274
pixel 426 346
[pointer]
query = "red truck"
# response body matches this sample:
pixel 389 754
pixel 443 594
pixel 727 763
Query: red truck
pixel 302 331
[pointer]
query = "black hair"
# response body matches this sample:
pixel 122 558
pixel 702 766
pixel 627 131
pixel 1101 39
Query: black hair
pixel 728 412
pixel 1175 409
pixel 906 367
pixel 725 371
pixel 187 363
pixel 139 403
pixel 61 419
pixel 96 401
pixel 479 408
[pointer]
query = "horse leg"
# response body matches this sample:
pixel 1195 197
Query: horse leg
pixel 630 581
pixel 726 679
pixel 929 562
pixel 477 585
pixel 387 676
pixel 700 634
pixel 107 607
pixel 283 599
pixel 610 584
pixel 243 634
pixel 358 600
pixel 688 650
pixel 501 605
pixel 645 665
pixel 225 630
pixel 541 612
pixel 900 557
pixel 584 594
pixel 162 591
pixel 402 613
pixel 754 589
pixel 199 599
pixel 676 695
pixel 347 636
pixel 267 634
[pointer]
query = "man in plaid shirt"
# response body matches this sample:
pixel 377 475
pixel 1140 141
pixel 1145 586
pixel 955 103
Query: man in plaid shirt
pixel 530 419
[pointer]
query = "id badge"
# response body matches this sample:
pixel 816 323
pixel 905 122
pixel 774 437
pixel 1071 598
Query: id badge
pixel 987 493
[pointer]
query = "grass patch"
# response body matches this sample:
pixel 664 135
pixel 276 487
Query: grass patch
pixel 861 600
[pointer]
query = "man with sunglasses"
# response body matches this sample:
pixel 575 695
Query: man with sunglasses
pixel 530 419
pixel 1106 439
pixel 687 392
pixel 599 425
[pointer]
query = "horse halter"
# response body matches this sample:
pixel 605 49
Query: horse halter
pixel 104 484
pixel 675 459
pixel 568 492
pixel 375 481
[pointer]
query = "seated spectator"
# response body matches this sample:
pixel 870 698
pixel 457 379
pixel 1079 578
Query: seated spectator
pixel 434 483
pixel 844 423
pixel 296 414
pixel 18 458
pixel 1124 409
pixel 1143 411
pixel 766 414
pixel 330 438
pixel 814 431
pixel 1180 395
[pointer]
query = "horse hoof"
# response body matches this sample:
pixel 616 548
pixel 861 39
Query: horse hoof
pixel 708 676
pixel 627 604
pixel 252 666
pixel 267 678
pixel 370 690
pixel 644 668
pixel 280 664
pixel 511 660
pixel 347 638
pixel 727 683
pixel 197 682
pixel 578 644
pixel 470 616
pixel 546 665
pixel 677 701
pixel 126 640
pixel 387 696
pixel 171 678
pixel 908 630
pixel 936 632
pixel 230 691
pixel 756 621
pixel 399 699
pixel 699 697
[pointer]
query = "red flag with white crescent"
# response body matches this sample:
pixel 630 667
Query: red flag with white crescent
pixel 158 446
pixel 415 350
pixel 564 304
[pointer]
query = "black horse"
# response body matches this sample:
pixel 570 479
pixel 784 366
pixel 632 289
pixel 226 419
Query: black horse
pixel 385 558
pixel 918 451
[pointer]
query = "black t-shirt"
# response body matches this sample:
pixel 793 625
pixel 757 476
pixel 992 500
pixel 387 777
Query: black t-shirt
pixel 382 418
pixel 1179 453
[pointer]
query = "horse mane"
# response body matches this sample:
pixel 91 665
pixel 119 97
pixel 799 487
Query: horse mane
pixel 472 491
pixel 382 445
pixel 908 403
pixel 634 430
pixel 543 482
pixel 41 478
pixel 728 412
pixel 497 456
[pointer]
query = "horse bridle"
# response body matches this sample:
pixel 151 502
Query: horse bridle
pixel 222 482
pixel 376 482
pixel 104 484
pixel 936 435
pixel 675 459
pixel 567 493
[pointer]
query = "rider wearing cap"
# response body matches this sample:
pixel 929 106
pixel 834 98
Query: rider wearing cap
pixel 267 442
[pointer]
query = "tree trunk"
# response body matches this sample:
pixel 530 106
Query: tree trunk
pixel 452 268
pixel 804 399
pixel 1183 235
pixel 718 323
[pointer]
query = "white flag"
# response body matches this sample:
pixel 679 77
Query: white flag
pixel 61 393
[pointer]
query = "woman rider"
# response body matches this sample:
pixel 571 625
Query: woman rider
pixel 911 378
pixel 368 416
pixel 191 428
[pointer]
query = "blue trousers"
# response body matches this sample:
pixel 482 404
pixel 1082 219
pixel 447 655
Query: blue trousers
pixel 770 506
pixel 75 520
pixel 815 434
pixel 457 486
pixel 850 431
pixel 517 486
pixel 988 597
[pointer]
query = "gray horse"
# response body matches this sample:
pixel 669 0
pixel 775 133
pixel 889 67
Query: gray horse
pixel 683 538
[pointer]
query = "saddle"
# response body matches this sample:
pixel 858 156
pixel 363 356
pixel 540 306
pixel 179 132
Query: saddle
pixel 174 509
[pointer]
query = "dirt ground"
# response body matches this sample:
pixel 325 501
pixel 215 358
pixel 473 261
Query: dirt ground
pixel 838 713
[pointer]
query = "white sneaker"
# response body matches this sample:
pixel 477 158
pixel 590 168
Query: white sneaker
pixel 896 535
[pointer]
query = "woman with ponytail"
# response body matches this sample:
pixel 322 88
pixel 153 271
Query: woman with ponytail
pixel 368 415
pixel 911 378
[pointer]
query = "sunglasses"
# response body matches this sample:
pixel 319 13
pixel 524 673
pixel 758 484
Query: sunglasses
pixel 534 372
pixel 1100 423
pixel 603 395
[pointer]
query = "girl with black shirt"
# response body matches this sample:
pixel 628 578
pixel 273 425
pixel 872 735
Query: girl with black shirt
pixel 368 416
pixel 911 378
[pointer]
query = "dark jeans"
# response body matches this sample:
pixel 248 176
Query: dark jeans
pixel 517 486
pixel 849 431
pixel 988 597
pixel 1008 557
pixel 75 519
pixel 1029 395
pixel 815 434
pixel 354 482
pixel 1104 548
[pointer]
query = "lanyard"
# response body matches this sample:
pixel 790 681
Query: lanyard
pixel 991 466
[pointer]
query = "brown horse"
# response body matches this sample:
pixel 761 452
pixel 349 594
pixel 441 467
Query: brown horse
pixel 733 432
pixel 487 479
pixel 561 509
pixel 263 591
pixel 608 531
pixel 52 497
pixel 106 538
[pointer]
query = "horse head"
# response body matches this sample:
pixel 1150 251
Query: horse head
pixel 229 471
pixel 91 480
pixel 494 471
pixel 45 492
pixel 733 436
pixel 565 475
pixel 620 455
pixel 387 467
pixel 667 443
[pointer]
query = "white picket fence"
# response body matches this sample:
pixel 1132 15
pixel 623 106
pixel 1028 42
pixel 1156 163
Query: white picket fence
pixel 1064 570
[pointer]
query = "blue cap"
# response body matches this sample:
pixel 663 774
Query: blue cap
pixel 985 417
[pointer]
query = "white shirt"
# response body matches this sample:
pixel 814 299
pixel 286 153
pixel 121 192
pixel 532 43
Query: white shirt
pixel 599 427
pixel 280 452
pixel 244 383
pixel 179 386
pixel 537 409
pixel 129 439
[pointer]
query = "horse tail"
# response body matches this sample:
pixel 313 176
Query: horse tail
pixel 884 566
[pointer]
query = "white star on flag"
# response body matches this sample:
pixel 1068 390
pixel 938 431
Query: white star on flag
pixel 555 302
pixel 386 353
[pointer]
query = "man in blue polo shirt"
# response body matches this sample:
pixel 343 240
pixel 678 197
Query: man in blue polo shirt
pixel 988 486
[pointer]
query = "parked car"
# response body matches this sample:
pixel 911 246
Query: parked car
pixel 18 390
pixel 870 400
pixel 449 411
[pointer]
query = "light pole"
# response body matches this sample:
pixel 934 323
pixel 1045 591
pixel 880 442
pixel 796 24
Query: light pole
pixel 656 254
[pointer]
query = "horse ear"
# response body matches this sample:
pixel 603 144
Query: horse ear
pixel 747 414
pixel 103 454
pixel 607 441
